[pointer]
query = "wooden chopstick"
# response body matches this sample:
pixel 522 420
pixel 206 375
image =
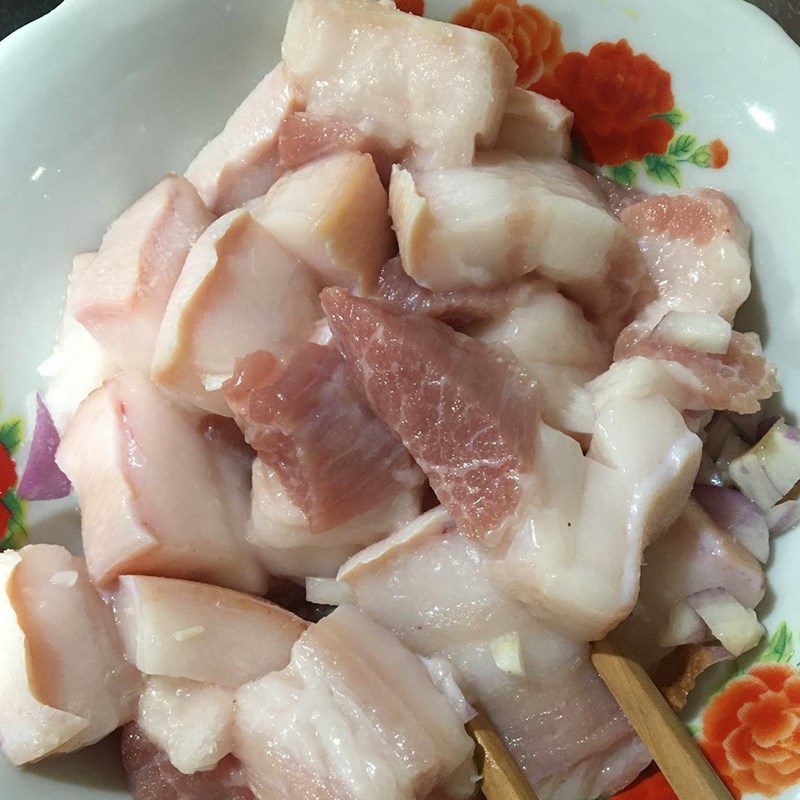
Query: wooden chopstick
pixel 672 747
pixel 502 777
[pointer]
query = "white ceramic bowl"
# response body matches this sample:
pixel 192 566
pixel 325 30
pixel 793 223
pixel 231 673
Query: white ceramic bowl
pixel 102 97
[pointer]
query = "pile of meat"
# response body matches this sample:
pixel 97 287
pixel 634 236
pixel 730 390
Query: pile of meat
pixel 384 343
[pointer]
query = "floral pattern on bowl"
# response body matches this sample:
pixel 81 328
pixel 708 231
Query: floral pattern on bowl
pixel 13 531
pixel 750 729
pixel 626 118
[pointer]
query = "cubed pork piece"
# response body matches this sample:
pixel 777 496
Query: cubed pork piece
pixel 204 633
pixel 430 91
pixel 121 294
pixel 334 215
pixel 558 347
pixel 239 291
pixel 152 776
pixel 504 216
pixel 434 588
pixel 631 485
pixel 242 161
pixel 544 330
pixel 335 459
pixel 157 495
pixel 307 137
pixel 354 715
pixel 78 364
pixel 64 682
pixel 281 533
pixel 535 126
pixel 468 414
pixel 191 722
pixel 697 251
pixel 501 473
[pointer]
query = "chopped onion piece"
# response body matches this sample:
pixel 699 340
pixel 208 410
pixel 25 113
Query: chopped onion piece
pixel 685 626
pixel 735 627
pixel 703 332
pixel 771 467
pixel 329 592
pixel 507 653
pixel 443 677
pixel 783 517
pixel 213 383
pixel 738 516
pixel 42 479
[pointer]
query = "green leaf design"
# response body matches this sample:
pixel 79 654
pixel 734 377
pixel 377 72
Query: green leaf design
pixel 701 157
pixel 17 532
pixel 663 169
pixel 780 648
pixel 675 117
pixel 682 145
pixel 624 174
pixel 11 434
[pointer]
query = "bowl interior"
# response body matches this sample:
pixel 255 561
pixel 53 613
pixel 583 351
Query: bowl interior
pixel 103 97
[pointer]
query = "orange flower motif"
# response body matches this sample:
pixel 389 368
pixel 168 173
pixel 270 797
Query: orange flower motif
pixel 532 38
pixel 719 153
pixel 650 785
pixel 751 731
pixel 616 97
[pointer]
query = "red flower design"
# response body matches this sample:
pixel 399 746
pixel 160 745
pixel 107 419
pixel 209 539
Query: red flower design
pixel 532 38
pixel 719 153
pixel 8 471
pixel 411 6
pixel 5 516
pixel 616 97
pixel 650 785
pixel 751 731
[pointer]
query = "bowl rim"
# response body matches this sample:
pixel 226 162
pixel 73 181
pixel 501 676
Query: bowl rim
pixel 16 41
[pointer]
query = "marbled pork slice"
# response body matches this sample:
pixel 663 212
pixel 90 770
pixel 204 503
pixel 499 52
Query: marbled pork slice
pixel 242 161
pixel 354 715
pixel 427 89
pixel 335 458
pixel 288 546
pixel 467 414
pixel 434 588
pixel 121 294
pixel 737 380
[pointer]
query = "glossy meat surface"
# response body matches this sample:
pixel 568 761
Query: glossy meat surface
pixel 334 215
pixel 64 682
pixel 436 590
pixel 467 414
pixel 502 217
pixel 336 460
pixel 121 294
pixel 355 715
pixel 151 775
pixel 428 90
pixel 242 161
pixel 239 291
pixel 158 494
pixel 185 629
